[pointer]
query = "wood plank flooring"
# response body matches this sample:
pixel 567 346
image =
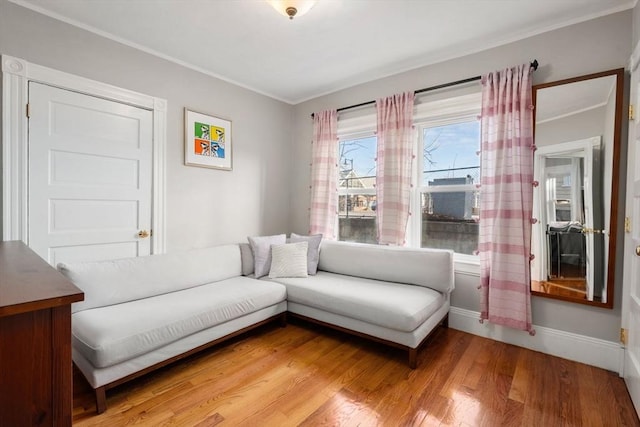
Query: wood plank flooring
pixel 310 376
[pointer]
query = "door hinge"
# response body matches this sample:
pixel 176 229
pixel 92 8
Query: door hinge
pixel 627 224
pixel 632 115
pixel 623 336
pixel 28 111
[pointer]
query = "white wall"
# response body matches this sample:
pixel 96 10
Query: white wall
pixel 589 47
pixel 204 206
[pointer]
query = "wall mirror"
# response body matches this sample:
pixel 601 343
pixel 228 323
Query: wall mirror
pixel 577 165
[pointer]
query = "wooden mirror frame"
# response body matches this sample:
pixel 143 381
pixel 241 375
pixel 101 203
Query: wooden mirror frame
pixel 615 182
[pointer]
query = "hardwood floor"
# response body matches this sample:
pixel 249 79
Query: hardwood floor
pixel 303 375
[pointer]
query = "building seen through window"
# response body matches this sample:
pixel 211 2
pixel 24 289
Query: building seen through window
pixel 356 190
pixel 449 198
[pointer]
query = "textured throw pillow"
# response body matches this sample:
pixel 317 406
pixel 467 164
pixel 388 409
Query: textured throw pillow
pixel 289 260
pixel 313 254
pixel 246 255
pixel 261 247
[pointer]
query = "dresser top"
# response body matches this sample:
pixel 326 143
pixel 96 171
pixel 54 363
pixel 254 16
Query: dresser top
pixel 28 283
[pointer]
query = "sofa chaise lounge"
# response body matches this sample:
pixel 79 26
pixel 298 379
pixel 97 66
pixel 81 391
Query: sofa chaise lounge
pixel 392 295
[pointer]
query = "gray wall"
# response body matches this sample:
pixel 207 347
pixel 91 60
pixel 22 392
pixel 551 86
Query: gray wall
pixel 592 46
pixel 204 206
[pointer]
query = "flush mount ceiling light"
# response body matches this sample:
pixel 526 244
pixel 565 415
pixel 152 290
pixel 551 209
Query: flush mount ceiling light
pixel 292 8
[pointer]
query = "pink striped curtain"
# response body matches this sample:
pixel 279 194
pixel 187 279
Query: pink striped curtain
pixel 506 199
pixel 324 174
pixel 395 153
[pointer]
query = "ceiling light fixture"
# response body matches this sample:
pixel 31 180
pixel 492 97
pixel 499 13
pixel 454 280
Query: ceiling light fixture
pixel 292 8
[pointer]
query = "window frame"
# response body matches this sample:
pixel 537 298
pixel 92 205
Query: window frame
pixel 449 111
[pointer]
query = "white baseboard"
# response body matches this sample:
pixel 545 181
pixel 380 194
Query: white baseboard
pixel 580 348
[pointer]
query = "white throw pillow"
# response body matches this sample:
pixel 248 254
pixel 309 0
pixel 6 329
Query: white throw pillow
pixel 261 247
pixel 289 260
pixel 313 253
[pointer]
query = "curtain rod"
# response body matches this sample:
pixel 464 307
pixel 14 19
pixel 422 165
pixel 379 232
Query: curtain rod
pixel 534 65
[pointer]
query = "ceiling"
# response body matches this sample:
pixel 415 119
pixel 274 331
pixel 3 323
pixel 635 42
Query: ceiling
pixel 338 44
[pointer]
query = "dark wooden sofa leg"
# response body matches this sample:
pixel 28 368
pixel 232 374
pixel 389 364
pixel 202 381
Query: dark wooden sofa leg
pixel 101 400
pixel 283 320
pixel 413 358
pixel 413 352
pixel 445 321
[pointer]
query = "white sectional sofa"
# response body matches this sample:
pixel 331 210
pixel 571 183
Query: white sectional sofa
pixel 143 313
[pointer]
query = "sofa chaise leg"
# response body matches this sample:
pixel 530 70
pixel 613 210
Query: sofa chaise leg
pixel 413 358
pixel 101 400
pixel 445 321
pixel 283 320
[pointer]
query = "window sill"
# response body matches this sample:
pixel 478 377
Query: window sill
pixel 467 264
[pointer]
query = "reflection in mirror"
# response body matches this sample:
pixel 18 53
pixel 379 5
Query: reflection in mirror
pixel 577 134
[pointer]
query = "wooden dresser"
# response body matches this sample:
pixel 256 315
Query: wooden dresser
pixel 35 340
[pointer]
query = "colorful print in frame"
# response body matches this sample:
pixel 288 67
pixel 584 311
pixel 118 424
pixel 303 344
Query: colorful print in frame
pixel 207 141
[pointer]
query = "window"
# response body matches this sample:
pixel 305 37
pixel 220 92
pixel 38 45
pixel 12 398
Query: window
pixel 448 197
pixel 445 197
pixel 356 190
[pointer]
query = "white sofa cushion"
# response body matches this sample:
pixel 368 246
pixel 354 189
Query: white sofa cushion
pixel 98 377
pixel 432 268
pixel 289 260
pixel 112 282
pixel 411 339
pixel 391 305
pixel 113 334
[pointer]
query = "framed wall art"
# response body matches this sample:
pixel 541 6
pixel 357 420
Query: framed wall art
pixel 207 141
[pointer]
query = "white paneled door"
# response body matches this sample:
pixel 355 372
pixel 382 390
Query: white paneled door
pixel 631 281
pixel 89 176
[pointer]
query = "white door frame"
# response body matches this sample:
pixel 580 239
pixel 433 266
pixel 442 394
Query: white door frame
pixel 16 74
pixel 628 298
